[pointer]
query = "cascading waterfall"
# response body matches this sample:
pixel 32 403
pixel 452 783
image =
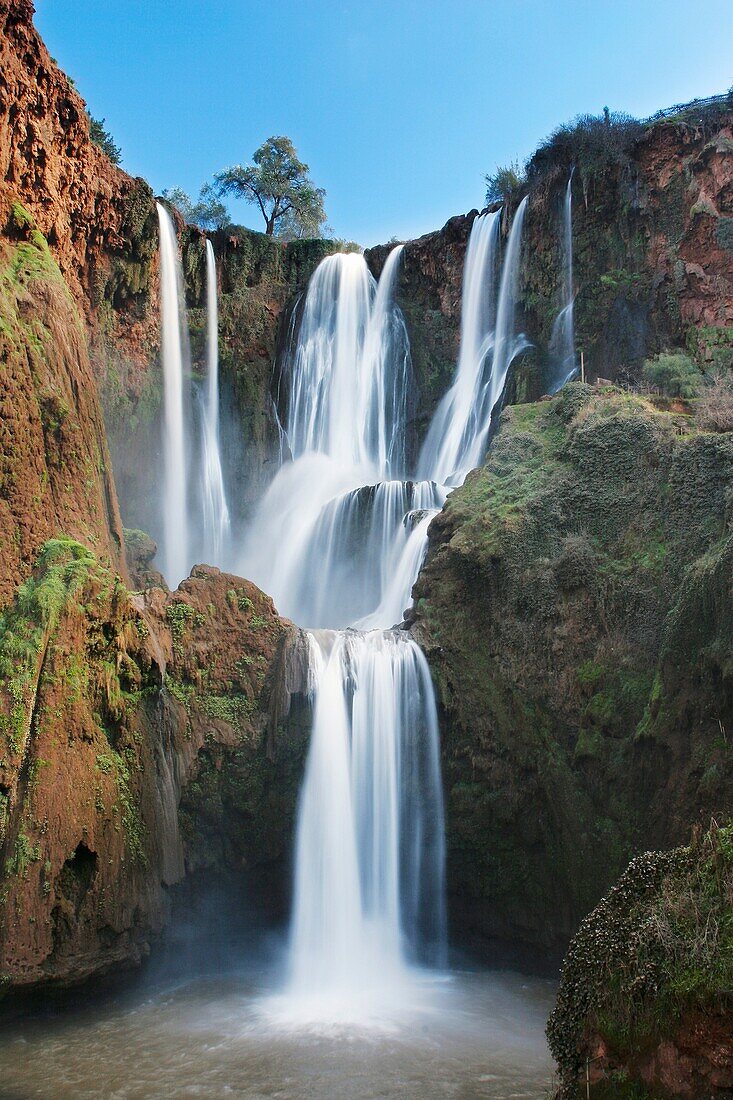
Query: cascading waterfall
pixel 369 856
pixel 562 340
pixel 350 370
pixel 348 380
pixel 215 510
pixel 174 345
pixel 458 436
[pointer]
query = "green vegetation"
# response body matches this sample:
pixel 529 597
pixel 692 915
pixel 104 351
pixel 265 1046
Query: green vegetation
pixel 591 143
pixel 575 608
pixel 506 184
pixel 659 945
pixel 278 183
pixel 104 139
pixel 180 616
pixel 674 374
pixel 208 212
pixel 114 764
pixel 62 569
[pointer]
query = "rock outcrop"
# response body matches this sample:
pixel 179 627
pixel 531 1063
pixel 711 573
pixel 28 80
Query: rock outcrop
pixel 111 706
pixel 653 259
pixel 575 608
pixel 645 1005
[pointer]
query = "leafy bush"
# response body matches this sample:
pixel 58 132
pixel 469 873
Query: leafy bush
pixel 104 139
pixel 505 184
pixel 714 410
pixel 208 212
pixel 674 374
pixel 593 143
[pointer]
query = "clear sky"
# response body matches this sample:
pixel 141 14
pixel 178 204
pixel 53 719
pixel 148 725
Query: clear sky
pixel 400 107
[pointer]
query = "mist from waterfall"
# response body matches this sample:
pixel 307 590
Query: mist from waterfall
pixel 215 511
pixel 176 375
pixel 562 339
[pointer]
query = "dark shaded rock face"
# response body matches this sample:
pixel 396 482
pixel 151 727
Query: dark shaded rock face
pixel 575 607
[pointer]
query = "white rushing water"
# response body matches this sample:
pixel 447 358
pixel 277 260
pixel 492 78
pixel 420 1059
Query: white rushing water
pixel 458 435
pixel 369 857
pixel 338 540
pixel 215 512
pixel 175 549
pixel 562 340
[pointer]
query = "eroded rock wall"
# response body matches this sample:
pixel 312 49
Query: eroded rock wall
pixel 575 608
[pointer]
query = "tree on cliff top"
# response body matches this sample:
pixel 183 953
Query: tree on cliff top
pixel 208 212
pixel 278 182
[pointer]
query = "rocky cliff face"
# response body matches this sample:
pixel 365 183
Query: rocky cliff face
pixel 653 258
pixel 575 609
pixel 111 707
pixel 644 1007
pixel 112 703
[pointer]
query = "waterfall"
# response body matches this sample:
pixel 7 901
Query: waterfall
pixel 338 540
pixel 349 376
pixel 460 414
pixel 369 855
pixel 174 346
pixel 331 524
pixel 215 512
pixel 562 340
pixel 458 435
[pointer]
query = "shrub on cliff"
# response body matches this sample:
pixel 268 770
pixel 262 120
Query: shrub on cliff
pixel 675 375
pixel 104 139
pixel 208 212
pixel 714 411
pixel 660 944
pixel 592 143
pixel 505 184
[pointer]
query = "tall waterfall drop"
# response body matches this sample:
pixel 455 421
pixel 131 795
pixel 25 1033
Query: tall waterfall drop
pixel 562 339
pixel 338 540
pixel 215 510
pixel 174 345
pixel 458 435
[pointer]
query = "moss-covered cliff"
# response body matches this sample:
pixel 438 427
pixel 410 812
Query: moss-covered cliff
pixel 575 607
pixel 645 1006
pixel 114 707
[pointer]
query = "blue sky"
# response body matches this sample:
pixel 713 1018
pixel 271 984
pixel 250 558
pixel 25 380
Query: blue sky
pixel 400 107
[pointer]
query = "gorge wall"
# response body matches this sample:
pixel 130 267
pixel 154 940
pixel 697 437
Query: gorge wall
pixel 575 607
pixel 575 604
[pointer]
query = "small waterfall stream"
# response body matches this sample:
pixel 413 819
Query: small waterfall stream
pixel 562 340
pixel 215 510
pixel 195 514
pixel 176 372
